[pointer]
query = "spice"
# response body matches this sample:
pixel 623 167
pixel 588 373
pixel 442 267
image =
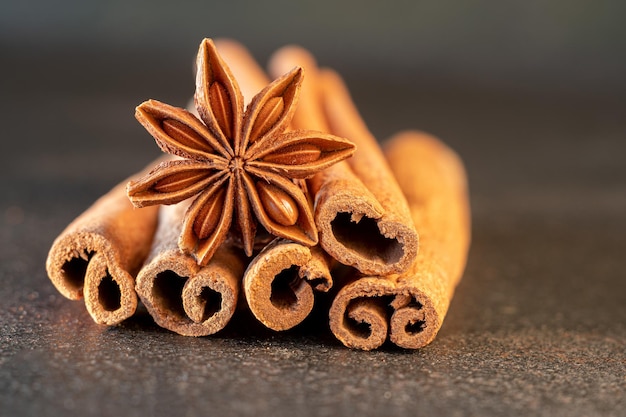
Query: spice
pixel 252 165
pixel 98 255
pixel 279 282
pixel 235 160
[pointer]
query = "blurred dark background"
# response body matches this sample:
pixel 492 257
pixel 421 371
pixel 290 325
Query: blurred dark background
pixel 561 45
pixel 531 80
pixel 531 94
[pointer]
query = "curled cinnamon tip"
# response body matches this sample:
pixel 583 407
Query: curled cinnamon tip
pixel 188 299
pixel 365 312
pixel 99 253
pixel 371 322
pixel 278 284
pixel 369 309
pixel 109 291
pixel 414 322
pixel 317 271
pixel 85 264
pixel 358 315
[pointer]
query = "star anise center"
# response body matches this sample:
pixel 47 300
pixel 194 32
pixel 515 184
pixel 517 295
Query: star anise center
pixel 236 164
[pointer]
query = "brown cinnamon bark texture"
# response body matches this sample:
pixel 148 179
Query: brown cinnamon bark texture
pixel 362 217
pixel 99 253
pixel 279 282
pixel 410 308
pixel 180 295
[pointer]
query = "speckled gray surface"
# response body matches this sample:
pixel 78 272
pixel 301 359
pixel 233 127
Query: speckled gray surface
pixel 537 326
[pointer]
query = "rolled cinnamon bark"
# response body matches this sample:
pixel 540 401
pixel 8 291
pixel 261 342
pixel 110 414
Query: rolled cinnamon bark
pixel 99 253
pixel 410 307
pixel 361 214
pixel 180 295
pixel 279 283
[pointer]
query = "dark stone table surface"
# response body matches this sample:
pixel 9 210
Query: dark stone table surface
pixel 537 325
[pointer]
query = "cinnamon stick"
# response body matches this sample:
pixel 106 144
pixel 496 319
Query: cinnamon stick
pixel 410 308
pixel 361 215
pixel 98 255
pixel 280 280
pixel 180 295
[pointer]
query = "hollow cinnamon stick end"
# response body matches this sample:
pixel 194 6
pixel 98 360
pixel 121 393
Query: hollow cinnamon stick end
pixel 341 211
pixel 188 299
pixel 355 231
pixel 277 284
pixel 109 291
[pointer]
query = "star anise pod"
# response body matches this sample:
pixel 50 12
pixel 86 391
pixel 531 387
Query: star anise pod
pixel 235 161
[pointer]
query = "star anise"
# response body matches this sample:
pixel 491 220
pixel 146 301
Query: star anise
pixel 235 161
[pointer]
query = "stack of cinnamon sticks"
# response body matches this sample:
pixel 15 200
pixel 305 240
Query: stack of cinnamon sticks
pixel 367 211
